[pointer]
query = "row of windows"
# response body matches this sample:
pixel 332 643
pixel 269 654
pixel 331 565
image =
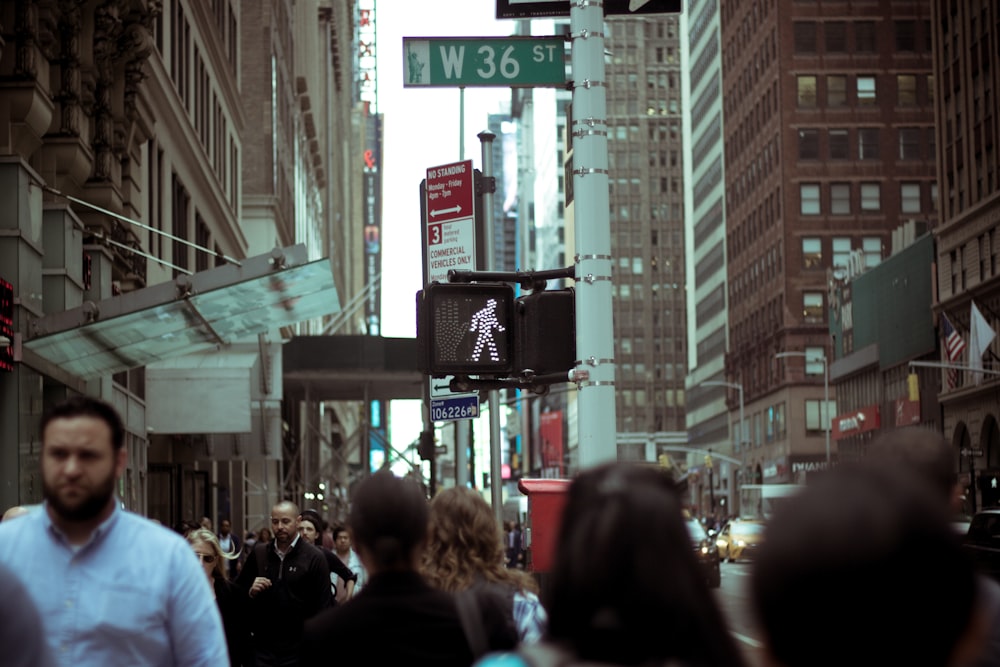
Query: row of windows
pixel 754 120
pixel 759 322
pixel 843 199
pixel 912 143
pixel 752 226
pixel 981 253
pixel 747 184
pixel 861 90
pixel 909 36
pixel 839 251
pixel 758 274
pixel 771 424
pixel 753 69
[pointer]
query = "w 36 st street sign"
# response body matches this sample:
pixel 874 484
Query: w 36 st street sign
pixel 484 61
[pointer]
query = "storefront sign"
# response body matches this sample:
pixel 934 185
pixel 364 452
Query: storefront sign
pixel 855 422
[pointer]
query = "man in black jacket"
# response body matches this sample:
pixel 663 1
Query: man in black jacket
pixel 389 523
pixel 288 582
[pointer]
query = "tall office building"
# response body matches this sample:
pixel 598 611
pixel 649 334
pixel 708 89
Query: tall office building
pixel 828 113
pixel 707 412
pixel 967 78
pixel 646 201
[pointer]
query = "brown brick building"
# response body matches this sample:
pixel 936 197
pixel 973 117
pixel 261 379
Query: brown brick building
pixel 829 145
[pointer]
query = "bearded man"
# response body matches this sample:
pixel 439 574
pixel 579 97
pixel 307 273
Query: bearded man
pixel 111 587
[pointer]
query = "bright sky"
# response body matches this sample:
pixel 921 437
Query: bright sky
pixel 421 130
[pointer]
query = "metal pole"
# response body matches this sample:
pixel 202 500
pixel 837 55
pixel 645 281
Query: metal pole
pixel 742 423
pixel 826 406
pixel 462 441
pixel 461 122
pixel 594 330
pixel 496 476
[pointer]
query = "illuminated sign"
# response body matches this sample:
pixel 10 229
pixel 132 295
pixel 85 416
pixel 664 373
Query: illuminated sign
pixel 6 326
pixel 466 328
pixel 367 55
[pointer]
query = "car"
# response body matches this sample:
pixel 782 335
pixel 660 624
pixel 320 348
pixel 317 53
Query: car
pixel 706 551
pixel 982 541
pixel 739 539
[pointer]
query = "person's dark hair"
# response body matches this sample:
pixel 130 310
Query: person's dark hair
pixel 87 406
pixel 389 516
pixel 923 451
pixel 625 586
pixel 866 555
pixel 338 528
pixel 317 520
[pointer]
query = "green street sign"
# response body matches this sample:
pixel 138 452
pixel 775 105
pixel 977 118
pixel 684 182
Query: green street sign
pixel 484 61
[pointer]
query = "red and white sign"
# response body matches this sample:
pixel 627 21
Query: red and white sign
pixel 450 236
pixel 859 421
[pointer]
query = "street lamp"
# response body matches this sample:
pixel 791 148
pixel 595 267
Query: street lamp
pixel 739 388
pixel 826 392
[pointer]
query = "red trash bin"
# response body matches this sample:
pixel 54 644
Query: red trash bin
pixel 546 499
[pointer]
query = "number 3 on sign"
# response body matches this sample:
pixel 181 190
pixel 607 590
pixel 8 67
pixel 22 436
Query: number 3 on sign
pixel 433 234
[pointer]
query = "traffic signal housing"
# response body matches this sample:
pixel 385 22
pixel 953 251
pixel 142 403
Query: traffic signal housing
pixel 480 329
pixel 465 329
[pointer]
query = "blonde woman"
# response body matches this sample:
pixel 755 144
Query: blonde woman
pixel 465 550
pixel 206 547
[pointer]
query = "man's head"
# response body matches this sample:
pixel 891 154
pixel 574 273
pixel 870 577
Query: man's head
pixel 341 539
pixel 224 527
pixel 83 455
pixel 389 520
pixel 922 452
pixel 284 523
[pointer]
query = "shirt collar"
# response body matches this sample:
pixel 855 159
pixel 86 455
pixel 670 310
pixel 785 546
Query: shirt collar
pixel 295 540
pixel 98 533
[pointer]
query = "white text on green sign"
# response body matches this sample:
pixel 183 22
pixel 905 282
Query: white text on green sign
pixel 485 61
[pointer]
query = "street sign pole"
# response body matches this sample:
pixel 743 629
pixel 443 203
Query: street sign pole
pixel 496 477
pixel 594 329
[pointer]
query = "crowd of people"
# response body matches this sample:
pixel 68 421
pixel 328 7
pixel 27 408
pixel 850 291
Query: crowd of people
pixel 863 569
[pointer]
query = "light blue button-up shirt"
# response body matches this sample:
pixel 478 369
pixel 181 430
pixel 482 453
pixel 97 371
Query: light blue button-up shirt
pixel 134 594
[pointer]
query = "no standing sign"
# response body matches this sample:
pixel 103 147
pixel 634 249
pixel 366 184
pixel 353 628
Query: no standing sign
pixel 450 235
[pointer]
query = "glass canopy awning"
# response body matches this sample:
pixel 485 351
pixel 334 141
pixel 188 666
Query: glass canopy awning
pixel 190 314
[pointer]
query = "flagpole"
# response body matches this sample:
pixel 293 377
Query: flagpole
pixel 960 367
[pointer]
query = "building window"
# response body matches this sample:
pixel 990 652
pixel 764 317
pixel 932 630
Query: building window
pixel 934 197
pixel 840 198
pixel 864 36
pixel 806 90
pixel 808 144
pixel 836 36
pixel 909 143
pixel 812 253
pixel 815 360
pixel 839 147
pixel 812 307
pixel 809 196
pixel 841 252
pixel 866 91
pixel 909 196
pixel 805 36
pixel 906 36
pixel 868 143
pixel 871 246
pixel 871 196
pixel 817 421
pixel 836 90
pixel 906 90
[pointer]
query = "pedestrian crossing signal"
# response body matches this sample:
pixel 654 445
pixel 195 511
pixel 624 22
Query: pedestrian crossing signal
pixel 465 329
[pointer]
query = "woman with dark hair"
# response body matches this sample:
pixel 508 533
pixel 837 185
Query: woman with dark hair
pixel 311 527
pixel 213 559
pixel 625 587
pixel 465 550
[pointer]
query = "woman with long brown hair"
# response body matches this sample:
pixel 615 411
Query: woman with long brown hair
pixel 465 551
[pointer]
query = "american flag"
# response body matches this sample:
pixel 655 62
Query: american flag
pixel 954 345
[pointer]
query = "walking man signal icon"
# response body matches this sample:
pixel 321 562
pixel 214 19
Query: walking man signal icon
pixel 484 323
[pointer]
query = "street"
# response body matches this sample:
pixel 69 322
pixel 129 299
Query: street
pixel 733 598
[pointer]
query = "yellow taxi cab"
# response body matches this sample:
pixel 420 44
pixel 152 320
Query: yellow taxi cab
pixel 739 539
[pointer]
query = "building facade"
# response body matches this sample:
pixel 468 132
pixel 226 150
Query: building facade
pixel 829 145
pixel 967 82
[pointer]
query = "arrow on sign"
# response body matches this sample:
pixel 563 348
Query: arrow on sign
pixel 453 209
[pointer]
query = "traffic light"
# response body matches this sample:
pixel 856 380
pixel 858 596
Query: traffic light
pixel 425 448
pixel 465 328
pixel 545 341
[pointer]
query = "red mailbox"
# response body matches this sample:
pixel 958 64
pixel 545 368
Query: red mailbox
pixel 546 499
